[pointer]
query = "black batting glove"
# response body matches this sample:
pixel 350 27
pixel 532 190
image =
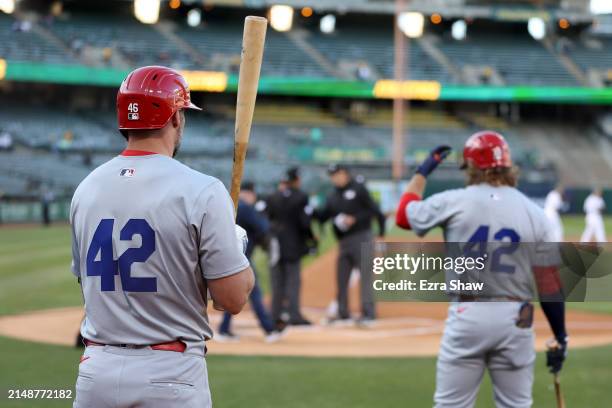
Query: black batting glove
pixel 436 156
pixel 555 356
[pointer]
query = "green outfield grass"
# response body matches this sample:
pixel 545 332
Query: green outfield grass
pixel 310 382
pixel 35 274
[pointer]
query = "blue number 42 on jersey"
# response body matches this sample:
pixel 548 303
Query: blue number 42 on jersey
pixel 477 247
pixel 107 267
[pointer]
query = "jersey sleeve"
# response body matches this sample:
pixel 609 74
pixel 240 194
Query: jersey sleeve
pixel 219 252
pixel 432 212
pixel 75 266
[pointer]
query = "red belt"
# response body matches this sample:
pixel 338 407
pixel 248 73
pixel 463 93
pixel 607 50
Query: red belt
pixel 476 298
pixel 177 345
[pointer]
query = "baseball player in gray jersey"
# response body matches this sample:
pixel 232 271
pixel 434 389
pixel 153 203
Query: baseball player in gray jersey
pixel 150 238
pixel 494 331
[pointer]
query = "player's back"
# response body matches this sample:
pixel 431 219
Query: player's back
pixel 489 220
pixel 139 226
pixel 506 212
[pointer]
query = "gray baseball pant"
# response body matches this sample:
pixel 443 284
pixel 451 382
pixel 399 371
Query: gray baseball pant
pixel 480 336
pixel 115 377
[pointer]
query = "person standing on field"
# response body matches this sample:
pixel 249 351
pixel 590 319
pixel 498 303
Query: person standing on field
pixel 351 210
pixel 290 217
pixel 490 330
pixel 150 238
pixel 257 228
pixel 594 205
pixel 552 205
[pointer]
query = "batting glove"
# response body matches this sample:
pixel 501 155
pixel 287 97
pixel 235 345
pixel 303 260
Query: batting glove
pixel 436 157
pixel 241 237
pixel 555 356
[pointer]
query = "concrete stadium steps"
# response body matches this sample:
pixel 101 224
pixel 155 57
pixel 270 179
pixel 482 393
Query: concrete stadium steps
pixel 374 46
pixel 19 45
pixel 591 53
pixel 47 127
pixel 573 151
pixel 516 57
pixel 47 170
pixel 137 43
pixel 486 121
pixel 221 42
pixel 298 115
pixel 417 118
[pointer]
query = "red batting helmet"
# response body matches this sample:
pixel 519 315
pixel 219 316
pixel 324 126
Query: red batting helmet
pixel 486 149
pixel 149 96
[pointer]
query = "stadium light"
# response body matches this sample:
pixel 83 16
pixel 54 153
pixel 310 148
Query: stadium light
pixel 307 12
pixel 327 25
pixel 564 23
pixel 411 24
pixel 459 30
pixel 281 17
pixel 2 68
pixel 435 18
pixel 7 6
pixel 537 28
pixel 194 17
pixel 146 11
pixel 601 6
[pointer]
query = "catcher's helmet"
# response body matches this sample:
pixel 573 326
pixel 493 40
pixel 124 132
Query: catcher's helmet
pixel 486 149
pixel 149 96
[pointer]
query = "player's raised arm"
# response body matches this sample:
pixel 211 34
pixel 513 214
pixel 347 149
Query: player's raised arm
pixel 416 185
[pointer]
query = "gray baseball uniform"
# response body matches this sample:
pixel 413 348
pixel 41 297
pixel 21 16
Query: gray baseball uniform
pixel 480 335
pixel 147 233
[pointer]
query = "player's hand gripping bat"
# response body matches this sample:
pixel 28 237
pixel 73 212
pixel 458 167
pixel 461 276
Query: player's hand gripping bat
pixel 553 347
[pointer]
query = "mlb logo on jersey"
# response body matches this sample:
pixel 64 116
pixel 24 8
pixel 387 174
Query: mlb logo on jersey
pixel 127 172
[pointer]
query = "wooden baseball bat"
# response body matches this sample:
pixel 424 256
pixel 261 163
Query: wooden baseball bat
pixel 253 41
pixel 558 394
pixel 552 345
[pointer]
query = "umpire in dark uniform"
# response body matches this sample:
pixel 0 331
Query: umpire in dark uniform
pixel 290 218
pixel 351 209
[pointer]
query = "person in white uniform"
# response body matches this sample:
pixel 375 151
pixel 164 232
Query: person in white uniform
pixel 593 207
pixel 150 237
pixel 552 205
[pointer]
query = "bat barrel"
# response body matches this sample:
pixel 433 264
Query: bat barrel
pixel 253 41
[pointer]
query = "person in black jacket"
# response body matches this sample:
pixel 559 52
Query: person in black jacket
pixel 351 209
pixel 291 218
pixel 257 228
